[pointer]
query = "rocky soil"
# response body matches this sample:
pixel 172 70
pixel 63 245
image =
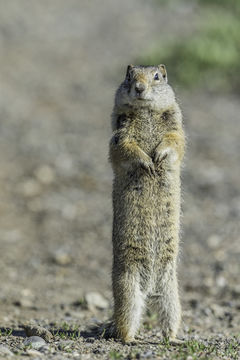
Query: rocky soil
pixel 60 64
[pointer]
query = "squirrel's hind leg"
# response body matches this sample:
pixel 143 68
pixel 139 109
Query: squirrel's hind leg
pixel 129 301
pixel 166 301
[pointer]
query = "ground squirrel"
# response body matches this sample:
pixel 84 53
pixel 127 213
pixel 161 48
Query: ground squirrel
pixel 146 150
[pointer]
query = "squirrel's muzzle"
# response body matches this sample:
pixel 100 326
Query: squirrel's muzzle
pixel 139 87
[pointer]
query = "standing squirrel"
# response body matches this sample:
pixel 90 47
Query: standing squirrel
pixel 146 150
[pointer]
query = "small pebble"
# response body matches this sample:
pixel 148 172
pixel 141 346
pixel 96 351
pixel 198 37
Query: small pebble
pixel 214 241
pixel 75 354
pixel 36 342
pixel 221 281
pixel 24 303
pixel 4 350
pixel 147 354
pixel 45 174
pixel 30 188
pixel 33 352
pixel 95 300
pixel 65 344
pixel 69 212
pixel 44 349
pixel 62 257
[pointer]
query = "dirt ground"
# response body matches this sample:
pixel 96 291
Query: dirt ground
pixel 60 64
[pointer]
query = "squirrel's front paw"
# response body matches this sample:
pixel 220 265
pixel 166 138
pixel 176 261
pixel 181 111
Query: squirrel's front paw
pixel 148 165
pixel 167 152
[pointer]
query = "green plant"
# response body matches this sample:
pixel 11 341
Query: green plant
pixel 114 355
pixel 210 56
pixel 6 332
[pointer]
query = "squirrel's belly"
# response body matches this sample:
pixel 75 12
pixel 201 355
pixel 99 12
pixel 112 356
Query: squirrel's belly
pixel 144 217
pixel 147 138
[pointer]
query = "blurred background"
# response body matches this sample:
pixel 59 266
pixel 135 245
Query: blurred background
pixel 60 64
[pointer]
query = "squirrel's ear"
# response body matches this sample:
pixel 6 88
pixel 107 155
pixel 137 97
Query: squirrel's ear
pixel 130 67
pixel 163 71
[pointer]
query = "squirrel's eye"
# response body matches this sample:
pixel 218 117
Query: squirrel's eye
pixel 156 77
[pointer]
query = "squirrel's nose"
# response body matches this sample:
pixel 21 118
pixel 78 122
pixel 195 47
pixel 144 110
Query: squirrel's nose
pixel 140 87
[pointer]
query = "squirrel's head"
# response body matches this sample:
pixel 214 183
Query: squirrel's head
pixel 145 86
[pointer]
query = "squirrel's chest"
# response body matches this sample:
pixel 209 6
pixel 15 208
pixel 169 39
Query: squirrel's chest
pixel 147 132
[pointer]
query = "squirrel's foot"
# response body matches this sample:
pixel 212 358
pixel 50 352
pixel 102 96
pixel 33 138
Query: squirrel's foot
pixel 129 340
pixel 174 341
